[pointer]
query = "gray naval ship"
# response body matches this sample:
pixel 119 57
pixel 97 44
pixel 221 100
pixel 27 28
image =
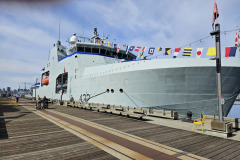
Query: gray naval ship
pixel 95 73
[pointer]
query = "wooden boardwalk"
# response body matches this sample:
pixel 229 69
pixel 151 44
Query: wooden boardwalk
pixel 190 142
pixel 26 135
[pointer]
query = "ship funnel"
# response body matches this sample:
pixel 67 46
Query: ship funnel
pixel 73 39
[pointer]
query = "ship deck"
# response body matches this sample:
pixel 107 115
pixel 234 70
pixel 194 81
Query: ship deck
pixel 72 133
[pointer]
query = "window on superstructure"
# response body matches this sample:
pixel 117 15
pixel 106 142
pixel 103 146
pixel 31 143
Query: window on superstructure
pixel 120 54
pixel 95 50
pixel 103 51
pixel 62 87
pixel 80 49
pixel 114 53
pixel 124 55
pixel 109 53
pixel 88 49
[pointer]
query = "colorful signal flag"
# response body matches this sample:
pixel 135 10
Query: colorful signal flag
pixel 151 50
pixel 137 49
pixel 199 52
pixel 230 51
pixel 211 52
pixel 176 51
pixel 187 51
pixel 131 48
pixel 167 51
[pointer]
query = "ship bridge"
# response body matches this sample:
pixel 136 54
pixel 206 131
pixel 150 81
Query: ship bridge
pixel 101 50
pixel 96 46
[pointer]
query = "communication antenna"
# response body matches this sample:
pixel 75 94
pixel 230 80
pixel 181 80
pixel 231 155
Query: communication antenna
pixel 83 33
pixel 59 30
pixel 83 30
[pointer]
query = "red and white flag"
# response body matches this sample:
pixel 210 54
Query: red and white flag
pixel 118 48
pixel 137 49
pixel 237 39
pixel 215 12
pixel 199 52
pixel 176 51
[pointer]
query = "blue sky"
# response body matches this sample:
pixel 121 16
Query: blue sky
pixel 28 29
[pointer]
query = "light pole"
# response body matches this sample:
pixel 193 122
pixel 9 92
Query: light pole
pixel 216 33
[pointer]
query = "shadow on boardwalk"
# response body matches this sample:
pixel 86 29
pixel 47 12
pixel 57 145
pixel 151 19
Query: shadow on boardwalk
pixel 6 106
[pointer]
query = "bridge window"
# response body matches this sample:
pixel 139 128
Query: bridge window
pixel 95 50
pixel 103 51
pixel 80 49
pixel 114 53
pixel 88 49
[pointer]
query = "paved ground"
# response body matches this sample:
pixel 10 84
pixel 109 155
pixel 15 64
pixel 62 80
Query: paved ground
pixel 26 134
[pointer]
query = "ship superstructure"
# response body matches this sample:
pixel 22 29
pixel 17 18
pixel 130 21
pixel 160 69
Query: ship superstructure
pixel 96 73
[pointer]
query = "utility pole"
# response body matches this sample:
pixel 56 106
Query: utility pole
pixel 218 67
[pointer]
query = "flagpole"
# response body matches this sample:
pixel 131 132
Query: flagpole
pixel 237 35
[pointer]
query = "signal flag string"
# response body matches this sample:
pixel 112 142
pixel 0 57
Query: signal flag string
pixel 200 40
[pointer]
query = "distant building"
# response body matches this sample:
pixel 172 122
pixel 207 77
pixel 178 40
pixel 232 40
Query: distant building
pixel 8 89
pixel 3 89
pixel 20 90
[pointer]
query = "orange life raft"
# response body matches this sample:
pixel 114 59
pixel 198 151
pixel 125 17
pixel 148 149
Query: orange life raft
pixel 45 81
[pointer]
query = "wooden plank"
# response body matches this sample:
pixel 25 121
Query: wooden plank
pixel 230 149
pixel 218 149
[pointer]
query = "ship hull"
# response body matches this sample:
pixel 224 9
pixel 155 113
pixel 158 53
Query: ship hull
pixel 173 84
pixel 180 89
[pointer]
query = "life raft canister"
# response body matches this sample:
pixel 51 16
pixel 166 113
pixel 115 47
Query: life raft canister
pixel 45 81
